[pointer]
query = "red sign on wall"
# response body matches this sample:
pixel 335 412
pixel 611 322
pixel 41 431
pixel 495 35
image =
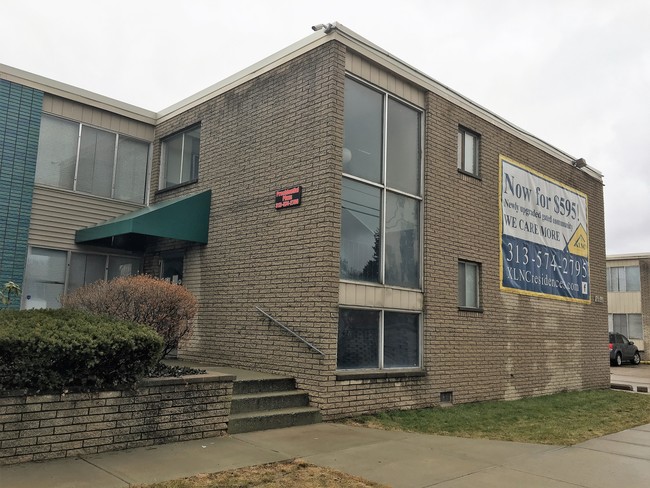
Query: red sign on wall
pixel 289 197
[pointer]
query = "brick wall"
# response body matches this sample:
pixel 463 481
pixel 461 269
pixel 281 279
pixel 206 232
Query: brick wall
pixel 285 128
pixel 160 410
pixel 276 131
pixel 519 345
pixel 20 118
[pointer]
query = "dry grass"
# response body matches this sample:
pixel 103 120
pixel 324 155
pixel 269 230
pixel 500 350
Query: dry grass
pixel 276 475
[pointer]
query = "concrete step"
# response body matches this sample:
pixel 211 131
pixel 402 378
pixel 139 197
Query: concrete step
pixel 244 387
pixel 272 419
pixel 255 402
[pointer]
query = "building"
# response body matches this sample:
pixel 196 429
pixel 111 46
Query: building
pixel 628 297
pixel 423 249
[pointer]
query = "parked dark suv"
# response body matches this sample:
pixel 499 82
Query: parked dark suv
pixel 621 349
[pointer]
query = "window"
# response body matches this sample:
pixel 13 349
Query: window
pixel 381 188
pixel 171 268
pixel 378 339
pixel 180 158
pixel 630 325
pixel 468 151
pixel 468 285
pixel 623 279
pixel 46 280
pixel 82 158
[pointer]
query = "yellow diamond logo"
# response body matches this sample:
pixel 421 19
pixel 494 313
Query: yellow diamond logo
pixel 579 244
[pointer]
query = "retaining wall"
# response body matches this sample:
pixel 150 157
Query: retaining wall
pixel 36 427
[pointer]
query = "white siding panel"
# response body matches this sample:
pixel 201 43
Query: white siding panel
pixel 97 117
pixel 624 302
pixel 360 295
pixel 372 73
pixel 58 214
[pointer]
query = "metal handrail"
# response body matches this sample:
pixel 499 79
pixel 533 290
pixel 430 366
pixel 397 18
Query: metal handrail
pixel 273 319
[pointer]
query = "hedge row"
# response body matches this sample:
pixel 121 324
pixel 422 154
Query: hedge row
pixel 55 350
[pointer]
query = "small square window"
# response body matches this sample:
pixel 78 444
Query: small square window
pixel 468 150
pixel 468 284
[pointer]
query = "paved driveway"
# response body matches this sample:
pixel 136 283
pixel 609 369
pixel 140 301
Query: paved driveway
pixel 632 378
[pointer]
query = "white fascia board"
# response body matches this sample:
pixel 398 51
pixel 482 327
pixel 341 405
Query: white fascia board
pixel 626 257
pixel 418 78
pixel 80 95
pixel 357 43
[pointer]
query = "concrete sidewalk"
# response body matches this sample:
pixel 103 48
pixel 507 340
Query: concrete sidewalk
pixel 397 459
pixel 632 378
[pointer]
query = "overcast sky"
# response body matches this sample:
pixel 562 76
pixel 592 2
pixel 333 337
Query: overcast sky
pixel 575 73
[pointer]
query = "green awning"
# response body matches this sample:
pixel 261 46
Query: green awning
pixel 184 218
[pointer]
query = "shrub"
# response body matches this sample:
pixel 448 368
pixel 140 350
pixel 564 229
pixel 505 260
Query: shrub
pixel 53 350
pixel 166 308
pixel 8 291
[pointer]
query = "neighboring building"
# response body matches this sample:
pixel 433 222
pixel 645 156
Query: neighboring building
pixel 427 249
pixel 628 298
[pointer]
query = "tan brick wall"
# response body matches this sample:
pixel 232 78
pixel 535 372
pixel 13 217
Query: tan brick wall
pixel 519 345
pixel 644 268
pixel 39 427
pixel 285 128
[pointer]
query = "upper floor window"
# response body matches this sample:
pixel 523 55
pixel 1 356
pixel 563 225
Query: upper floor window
pixel 381 190
pixel 468 284
pixel 180 158
pixel 82 158
pixel 468 151
pixel 623 279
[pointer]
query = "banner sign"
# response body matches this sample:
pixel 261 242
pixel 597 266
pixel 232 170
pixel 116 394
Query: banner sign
pixel 544 235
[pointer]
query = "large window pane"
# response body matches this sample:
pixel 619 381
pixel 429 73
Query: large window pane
pixel 632 278
pixel 401 340
pixel 362 144
pixel 119 266
pixel 191 146
pixel 403 148
pixel 57 152
pixel 635 326
pixel 131 170
pixel 402 241
pixel 96 160
pixel 181 157
pixel 360 231
pixel 173 151
pixel 85 269
pixel 358 341
pixel 44 278
pixel 620 323
pixel 468 285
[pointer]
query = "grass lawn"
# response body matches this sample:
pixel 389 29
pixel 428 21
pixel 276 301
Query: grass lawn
pixel 562 419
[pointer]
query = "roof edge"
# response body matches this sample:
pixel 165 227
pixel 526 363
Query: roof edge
pixel 71 92
pixel 621 257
